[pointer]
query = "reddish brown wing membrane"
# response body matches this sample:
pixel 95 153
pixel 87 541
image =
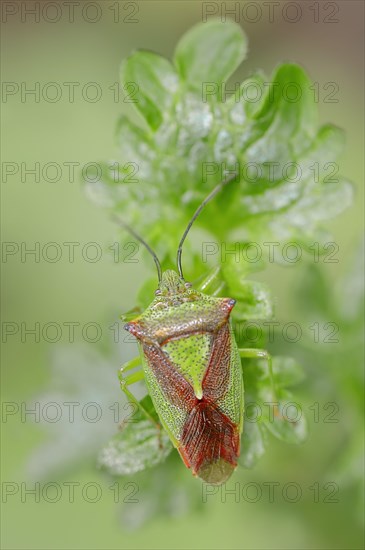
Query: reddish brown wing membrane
pixel 210 442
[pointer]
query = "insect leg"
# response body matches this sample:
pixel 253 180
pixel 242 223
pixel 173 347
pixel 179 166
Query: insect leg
pixel 132 378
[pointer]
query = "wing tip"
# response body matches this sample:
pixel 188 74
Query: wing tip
pixel 217 472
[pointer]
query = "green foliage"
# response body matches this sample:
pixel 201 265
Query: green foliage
pixel 180 133
pixel 267 409
pixel 136 447
pixel 209 53
pixel 188 131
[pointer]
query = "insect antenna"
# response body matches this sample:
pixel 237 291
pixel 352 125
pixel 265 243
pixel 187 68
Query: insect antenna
pixel 211 195
pixel 136 236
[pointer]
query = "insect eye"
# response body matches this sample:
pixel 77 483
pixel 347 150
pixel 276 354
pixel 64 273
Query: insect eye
pixel 158 292
pixel 188 285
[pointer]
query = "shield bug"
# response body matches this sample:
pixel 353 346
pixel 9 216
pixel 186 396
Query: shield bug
pixel 192 367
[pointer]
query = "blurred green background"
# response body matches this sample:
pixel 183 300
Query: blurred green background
pixel 83 291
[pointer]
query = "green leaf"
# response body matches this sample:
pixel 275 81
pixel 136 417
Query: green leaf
pixel 287 118
pixel 253 298
pixel 247 100
pixel 138 446
pixel 274 406
pixel 151 82
pixel 253 302
pixel 235 267
pixel 287 372
pixel 210 53
pixel 287 422
pixel 253 444
pixel 130 314
pixel 287 193
pixel 134 145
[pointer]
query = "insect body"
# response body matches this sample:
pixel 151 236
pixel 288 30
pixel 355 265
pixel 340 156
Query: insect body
pixel 193 373
pixel 192 369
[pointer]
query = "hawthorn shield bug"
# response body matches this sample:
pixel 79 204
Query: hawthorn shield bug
pixel 192 367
